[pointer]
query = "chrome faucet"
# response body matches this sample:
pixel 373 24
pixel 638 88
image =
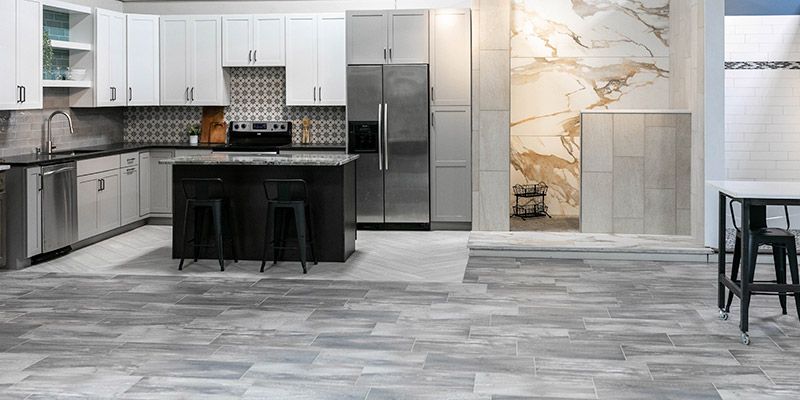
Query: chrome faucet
pixel 48 141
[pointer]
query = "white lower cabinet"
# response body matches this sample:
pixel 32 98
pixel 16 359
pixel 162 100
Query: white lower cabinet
pixel 144 183
pixel 160 182
pixel 98 203
pixel 33 211
pixel 129 194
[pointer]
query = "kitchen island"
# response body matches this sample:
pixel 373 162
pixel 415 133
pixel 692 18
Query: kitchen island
pixel 331 180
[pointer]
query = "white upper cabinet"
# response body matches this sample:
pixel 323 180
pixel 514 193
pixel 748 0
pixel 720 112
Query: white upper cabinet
pixel 451 60
pixel 110 59
pixel 387 37
pixel 143 63
pixel 191 61
pixel 331 60
pixel 237 41
pixel 269 40
pixel 253 41
pixel 315 60
pixel 174 48
pixel 21 54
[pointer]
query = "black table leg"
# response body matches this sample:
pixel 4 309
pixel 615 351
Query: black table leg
pixel 721 245
pixel 746 268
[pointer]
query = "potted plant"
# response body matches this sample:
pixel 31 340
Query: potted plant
pixel 194 133
pixel 47 56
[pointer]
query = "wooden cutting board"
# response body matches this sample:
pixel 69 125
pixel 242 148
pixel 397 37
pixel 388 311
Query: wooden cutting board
pixel 213 128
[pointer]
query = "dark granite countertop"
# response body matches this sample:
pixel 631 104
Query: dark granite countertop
pixel 94 151
pixel 83 153
pixel 292 160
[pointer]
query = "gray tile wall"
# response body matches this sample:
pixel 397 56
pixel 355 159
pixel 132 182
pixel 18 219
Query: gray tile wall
pixel 256 94
pixel 636 173
pixel 22 131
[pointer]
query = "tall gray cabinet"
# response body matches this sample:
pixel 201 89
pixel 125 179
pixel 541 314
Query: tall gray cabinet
pixel 451 116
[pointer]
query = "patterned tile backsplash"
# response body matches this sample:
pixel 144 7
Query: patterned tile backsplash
pixel 256 94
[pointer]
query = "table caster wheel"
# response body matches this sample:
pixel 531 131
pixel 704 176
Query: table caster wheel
pixel 723 315
pixel 745 339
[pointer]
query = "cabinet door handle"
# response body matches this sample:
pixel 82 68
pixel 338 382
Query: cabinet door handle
pixel 250 56
pixel 320 93
pixel 192 93
pixel 384 54
pixel 433 94
pixel 433 120
pixel 390 54
pixel 130 93
pixel 24 94
pixel 187 93
pixel 130 171
pixel 99 185
pixel 255 56
pixel 41 182
pixel 315 94
pixel 19 94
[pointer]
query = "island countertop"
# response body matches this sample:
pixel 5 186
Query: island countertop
pixel 300 160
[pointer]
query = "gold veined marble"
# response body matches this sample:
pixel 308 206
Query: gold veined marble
pixel 573 55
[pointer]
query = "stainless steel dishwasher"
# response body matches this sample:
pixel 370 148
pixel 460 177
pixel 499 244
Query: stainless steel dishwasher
pixel 59 206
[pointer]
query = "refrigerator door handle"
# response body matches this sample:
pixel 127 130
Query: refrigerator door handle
pixel 386 133
pixel 380 154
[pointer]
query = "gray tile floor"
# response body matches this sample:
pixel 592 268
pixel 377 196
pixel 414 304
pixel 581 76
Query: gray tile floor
pixel 512 329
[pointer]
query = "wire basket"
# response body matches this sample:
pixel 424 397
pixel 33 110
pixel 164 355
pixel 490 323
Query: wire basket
pixel 530 190
pixel 530 210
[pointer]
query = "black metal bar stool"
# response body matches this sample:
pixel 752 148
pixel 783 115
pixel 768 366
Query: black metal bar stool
pixel 207 198
pixel 288 198
pixel 783 245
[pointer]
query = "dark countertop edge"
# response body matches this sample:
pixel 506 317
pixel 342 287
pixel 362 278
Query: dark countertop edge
pixel 25 160
pixel 315 147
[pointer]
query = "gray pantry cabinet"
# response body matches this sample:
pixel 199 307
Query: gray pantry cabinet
pixel 451 116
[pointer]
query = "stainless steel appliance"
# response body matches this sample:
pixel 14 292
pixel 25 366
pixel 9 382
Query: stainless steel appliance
pixel 387 112
pixel 257 136
pixel 59 188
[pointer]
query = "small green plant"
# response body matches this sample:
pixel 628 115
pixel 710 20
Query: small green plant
pixel 193 129
pixel 47 52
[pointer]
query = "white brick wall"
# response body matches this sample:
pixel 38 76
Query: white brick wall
pixel 762 107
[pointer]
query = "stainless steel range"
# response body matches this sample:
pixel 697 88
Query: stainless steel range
pixel 257 136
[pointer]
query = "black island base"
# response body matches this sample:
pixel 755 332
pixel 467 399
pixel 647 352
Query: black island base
pixel 331 182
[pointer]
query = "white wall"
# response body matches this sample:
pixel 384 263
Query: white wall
pixel 762 112
pixel 302 6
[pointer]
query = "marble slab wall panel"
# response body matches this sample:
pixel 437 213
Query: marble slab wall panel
pixel 573 55
pixel 256 94
pixel 636 173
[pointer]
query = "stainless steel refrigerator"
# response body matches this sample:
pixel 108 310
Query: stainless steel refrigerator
pixel 387 113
